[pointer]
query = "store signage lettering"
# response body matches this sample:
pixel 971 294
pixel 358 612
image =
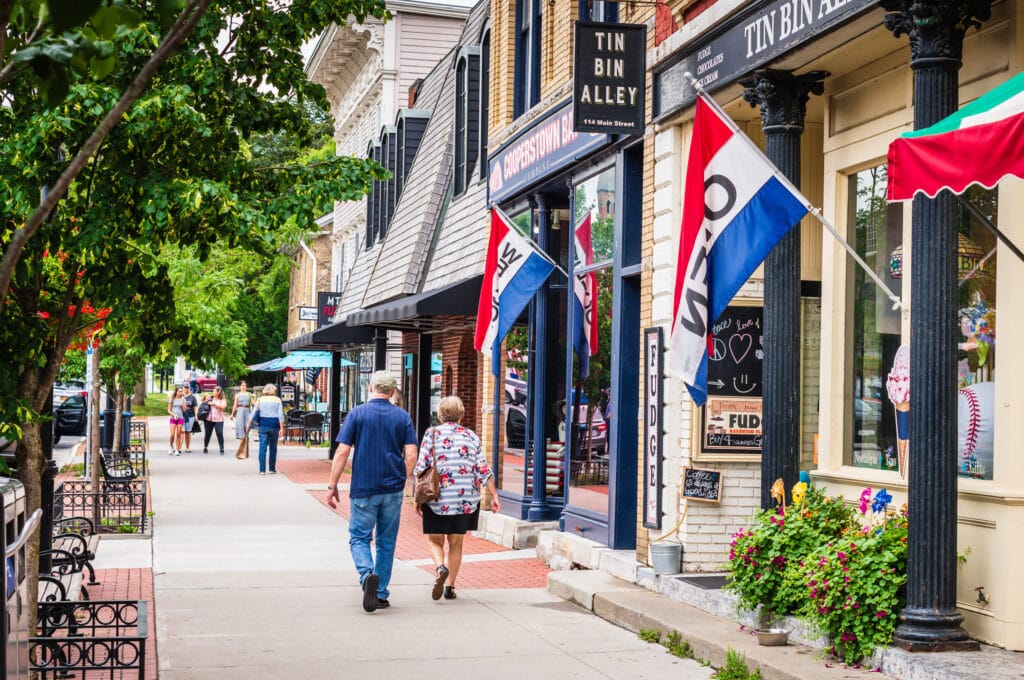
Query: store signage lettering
pixel 327 307
pixel 753 39
pixel 653 432
pixel 609 78
pixel 308 314
pixel 549 145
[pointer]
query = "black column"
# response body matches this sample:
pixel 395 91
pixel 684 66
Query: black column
pixel 334 406
pixel 538 507
pixel 782 97
pixel 931 621
pixel 380 349
pixel 423 351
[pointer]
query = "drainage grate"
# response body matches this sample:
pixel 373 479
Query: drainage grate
pixel 705 581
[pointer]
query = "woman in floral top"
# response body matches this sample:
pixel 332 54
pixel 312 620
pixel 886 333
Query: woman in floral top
pixel 463 471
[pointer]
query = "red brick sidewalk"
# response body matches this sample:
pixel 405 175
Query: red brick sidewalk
pixel 131 584
pixel 527 572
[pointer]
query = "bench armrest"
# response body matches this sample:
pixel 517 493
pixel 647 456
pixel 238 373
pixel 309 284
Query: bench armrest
pixel 62 562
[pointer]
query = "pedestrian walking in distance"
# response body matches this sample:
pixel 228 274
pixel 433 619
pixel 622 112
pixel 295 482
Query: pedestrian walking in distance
pixel 241 409
pixel 381 439
pixel 268 418
pixel 463 470
pixel 214 423
pixel 176 409
pixel 190 419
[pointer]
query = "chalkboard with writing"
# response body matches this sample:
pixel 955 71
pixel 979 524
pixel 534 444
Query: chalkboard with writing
pixel 731 418
pixel 702 485
pixel 737 354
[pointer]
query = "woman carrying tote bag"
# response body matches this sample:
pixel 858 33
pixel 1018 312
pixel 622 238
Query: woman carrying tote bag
pixel 463 470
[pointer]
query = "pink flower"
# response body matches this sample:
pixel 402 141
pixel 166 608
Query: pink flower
pixel 881 614
pixel 865 500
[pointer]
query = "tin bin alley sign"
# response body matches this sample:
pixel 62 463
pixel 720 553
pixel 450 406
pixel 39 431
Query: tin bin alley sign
pixel 609 78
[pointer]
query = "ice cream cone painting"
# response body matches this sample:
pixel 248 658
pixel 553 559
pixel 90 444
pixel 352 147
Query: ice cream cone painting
pixel 897 384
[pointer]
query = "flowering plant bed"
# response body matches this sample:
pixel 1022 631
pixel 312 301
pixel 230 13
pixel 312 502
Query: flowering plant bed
pixel 840 570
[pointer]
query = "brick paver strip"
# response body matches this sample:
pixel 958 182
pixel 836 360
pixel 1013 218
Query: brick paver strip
pixel 130 584
pixel 527 572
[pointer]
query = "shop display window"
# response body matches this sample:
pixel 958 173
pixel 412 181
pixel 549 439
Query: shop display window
pixel 976 350
pixel 876 232
pixel 590 412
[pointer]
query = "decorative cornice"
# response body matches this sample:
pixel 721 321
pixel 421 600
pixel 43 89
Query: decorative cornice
pixel 935 28
pixel 782 97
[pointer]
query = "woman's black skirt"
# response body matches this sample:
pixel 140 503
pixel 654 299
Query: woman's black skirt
pixel 449 524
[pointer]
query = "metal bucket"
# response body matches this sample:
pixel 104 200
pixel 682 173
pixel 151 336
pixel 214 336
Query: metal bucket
pixel 666 557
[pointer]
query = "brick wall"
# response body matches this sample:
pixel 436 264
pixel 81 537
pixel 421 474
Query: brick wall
pixel 459 372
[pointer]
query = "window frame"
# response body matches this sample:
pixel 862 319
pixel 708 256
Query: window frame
pixel 467 117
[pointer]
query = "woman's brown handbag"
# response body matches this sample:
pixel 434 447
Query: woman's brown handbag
pixel 428 482
pixel 243 448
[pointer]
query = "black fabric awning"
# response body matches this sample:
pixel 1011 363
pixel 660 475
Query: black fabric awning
pixel 456 300
pixel 333 337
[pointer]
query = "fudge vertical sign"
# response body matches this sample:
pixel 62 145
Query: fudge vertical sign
pixel 609 78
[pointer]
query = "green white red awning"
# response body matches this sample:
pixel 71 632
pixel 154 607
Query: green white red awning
pixel 979 144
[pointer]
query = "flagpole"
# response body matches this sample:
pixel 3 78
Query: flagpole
pixel 533 245
pixel 897 303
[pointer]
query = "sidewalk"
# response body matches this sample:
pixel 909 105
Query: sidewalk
pixel 253 579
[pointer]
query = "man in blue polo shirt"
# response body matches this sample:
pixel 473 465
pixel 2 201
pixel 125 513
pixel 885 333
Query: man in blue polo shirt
pixel 384 441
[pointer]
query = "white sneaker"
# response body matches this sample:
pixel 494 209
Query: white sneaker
pixel 177 452
pixel 170 452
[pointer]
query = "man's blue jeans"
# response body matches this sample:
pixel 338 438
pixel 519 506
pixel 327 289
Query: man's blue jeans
pixel 383 512
pixel 268 440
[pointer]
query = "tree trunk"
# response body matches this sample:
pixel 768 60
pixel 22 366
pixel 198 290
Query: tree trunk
pixel 94 454
pixel 30 464
pixel 118 421
pixel 139 395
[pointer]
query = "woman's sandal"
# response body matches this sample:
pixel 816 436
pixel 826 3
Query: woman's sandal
pixel 439 587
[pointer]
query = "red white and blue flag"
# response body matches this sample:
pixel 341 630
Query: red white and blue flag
pixel 736 207
pixel 513 272
pixel 584 338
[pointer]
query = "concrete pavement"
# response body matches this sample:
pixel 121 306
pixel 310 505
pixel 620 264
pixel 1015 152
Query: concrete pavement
pixel 253 579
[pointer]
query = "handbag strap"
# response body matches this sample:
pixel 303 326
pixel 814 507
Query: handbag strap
pixel 433 447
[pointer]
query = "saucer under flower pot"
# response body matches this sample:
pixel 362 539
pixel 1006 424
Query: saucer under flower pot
pixel 772 637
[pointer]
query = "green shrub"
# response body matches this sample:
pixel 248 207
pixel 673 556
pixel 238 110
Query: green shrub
pixel 855 586
pixel 650 634
pixel 735 668
pixel 765 560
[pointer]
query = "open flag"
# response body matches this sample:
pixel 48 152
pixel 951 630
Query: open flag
pixel 584 334
pixel 736 207
pixel 979 144
pixel 513 272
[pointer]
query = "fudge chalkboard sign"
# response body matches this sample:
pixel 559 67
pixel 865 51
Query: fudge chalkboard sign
pixel 702 485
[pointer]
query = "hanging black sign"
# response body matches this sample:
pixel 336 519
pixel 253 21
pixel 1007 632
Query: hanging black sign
pixel 754 37
pixel 327 307
pixel 609 78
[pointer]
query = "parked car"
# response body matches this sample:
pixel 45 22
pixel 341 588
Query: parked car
pixel 68 388
pixel 70 416
pixel 515 427
pixel 515 391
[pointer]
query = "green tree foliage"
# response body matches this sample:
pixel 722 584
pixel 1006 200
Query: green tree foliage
pixel 178 171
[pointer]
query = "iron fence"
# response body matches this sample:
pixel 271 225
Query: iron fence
pixel 117 508
pixel 91 639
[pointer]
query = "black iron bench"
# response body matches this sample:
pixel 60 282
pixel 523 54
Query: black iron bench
pixel 77 538
pixel 117 469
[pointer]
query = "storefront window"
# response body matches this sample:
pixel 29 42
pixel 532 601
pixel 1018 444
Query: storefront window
pixel 513 437
pixel 436 363
pixel 976 355
pixel 876 232
pixel 512 454
pixel 594 237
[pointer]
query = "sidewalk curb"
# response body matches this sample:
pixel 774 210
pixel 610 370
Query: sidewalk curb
pixel 634 608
